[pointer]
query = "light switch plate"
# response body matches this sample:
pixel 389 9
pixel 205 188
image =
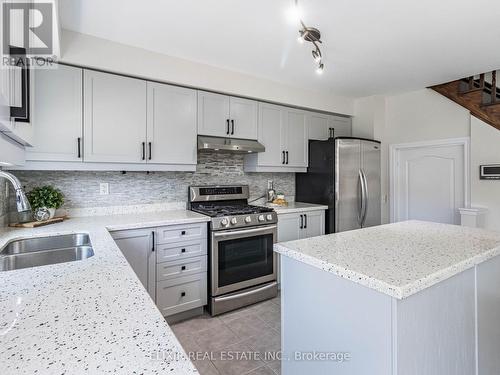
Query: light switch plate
pixel 103 188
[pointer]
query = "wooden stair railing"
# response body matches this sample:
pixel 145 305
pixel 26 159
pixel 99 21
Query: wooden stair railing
pixel 479 96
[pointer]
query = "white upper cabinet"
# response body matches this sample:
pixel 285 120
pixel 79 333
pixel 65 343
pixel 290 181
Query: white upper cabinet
pixel 58 115
pixel 283 132
pixel 342 126
pixel 225 116
pixel 114 119
pixel 318 126
pixel 171 128
pixel 213 114
pixel 244 118
pixel 296 146
pixel 271 126
pixel 321 126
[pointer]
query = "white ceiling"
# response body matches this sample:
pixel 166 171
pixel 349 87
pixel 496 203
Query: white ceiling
pixel 370 47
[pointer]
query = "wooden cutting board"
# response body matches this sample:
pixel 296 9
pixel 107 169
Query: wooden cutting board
pixel 35 224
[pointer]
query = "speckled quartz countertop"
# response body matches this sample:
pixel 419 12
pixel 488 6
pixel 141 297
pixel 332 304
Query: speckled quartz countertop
pixel 397 259
pixel 296 207
pixel 91 316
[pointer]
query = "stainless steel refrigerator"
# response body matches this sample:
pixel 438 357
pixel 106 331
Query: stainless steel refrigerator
pixel 344 174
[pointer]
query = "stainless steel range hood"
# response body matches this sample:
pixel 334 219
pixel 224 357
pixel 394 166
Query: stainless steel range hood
pixel 246 146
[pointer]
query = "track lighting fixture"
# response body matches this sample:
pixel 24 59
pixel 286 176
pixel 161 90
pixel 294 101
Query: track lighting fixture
pixel 312 35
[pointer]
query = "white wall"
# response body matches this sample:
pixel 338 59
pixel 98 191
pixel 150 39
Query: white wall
pixel 410 117
pixel 85 50
pixel 485 149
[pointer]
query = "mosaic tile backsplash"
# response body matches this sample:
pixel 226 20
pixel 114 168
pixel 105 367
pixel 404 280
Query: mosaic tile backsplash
pixel 81 189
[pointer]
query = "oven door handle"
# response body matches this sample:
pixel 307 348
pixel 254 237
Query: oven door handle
pixel 243 232
pixel 247 293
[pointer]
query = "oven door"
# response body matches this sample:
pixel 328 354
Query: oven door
pixel 242 258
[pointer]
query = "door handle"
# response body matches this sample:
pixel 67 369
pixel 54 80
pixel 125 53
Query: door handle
pixel 232 127
pixel 150 150
pixel 286 152
pixel 305 221
pixel 301 222
pixel 227 131
pixel 283 158
pixel 143 150
pixel 79 142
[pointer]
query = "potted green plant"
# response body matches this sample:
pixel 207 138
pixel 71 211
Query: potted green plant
pixel 46 197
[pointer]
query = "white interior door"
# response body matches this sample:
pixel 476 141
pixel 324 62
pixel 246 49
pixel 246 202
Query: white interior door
pixel 430 182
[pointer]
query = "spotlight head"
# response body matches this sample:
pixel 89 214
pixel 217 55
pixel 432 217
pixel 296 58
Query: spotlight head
pixel 320 68
pixel 316 55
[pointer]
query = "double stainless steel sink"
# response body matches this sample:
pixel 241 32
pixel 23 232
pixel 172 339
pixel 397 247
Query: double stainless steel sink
pixel 41 251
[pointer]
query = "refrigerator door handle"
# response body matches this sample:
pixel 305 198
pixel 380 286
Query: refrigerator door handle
pixel 362 204
pixel 364 187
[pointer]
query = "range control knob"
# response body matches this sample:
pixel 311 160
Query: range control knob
pixel 224 222
pixel 234 221
pixel 269 217
pixel 261 218
pixel 248 219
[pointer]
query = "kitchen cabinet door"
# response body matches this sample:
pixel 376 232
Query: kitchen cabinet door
pixel 171 125
pixel 137 247
pixel 314 224
pixel 289 228
pixel 342 126
pixel 244 118
pixel 271 130
pixel 57 116
pixel 296 139
pixel 213 114
pixel 115 113
pixel 318 126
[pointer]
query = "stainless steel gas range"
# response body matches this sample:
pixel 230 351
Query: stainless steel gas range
pixel 242 264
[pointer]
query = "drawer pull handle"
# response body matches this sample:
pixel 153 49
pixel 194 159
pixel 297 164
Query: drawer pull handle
pixel 183 233
pixel 183 268
pixel 183 250
pixel 183 294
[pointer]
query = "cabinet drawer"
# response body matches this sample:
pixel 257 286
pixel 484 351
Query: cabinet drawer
pixel 180 250
pixel 181 294
pixel 176 233
pixel 180 268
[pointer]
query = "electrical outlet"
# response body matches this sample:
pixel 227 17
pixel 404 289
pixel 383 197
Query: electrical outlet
pixel 103 188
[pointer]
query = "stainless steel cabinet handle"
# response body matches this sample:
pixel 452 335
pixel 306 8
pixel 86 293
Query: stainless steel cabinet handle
pixel 227 122
pixel 150 150
pixel 79 141
pixel 286 157
pixel 153 246
pixel 301 222
pixel 305 221
pixel 283 159
pixel 143 150
pixel 232 127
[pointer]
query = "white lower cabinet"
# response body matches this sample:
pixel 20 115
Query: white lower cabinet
pixel 171 262
pixel 138 248
pixel 299 225
pixel 181 294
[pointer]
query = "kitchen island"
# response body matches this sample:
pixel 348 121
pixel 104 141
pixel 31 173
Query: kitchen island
pixel 410 298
